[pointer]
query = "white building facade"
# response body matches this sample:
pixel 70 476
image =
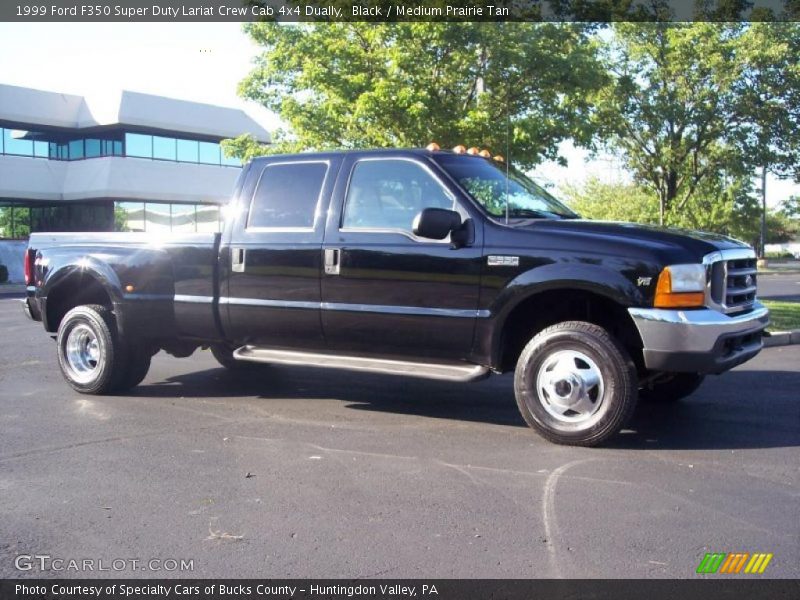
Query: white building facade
pixel 125 162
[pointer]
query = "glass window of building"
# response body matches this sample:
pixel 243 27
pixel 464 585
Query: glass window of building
pixel 76 149
pixel 15 221
pixel 129 216
pixel 230 161
pixel 157 218
pixel 140 145
pixel 93 148
pixel 208 218
pixel 209 153
pixel 188 151
pixel 40 149
pixel 287 195
pixel 164 148
pixel 15 142
pixel 184 218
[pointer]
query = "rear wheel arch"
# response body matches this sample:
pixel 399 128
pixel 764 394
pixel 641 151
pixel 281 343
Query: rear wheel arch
pixel 74 289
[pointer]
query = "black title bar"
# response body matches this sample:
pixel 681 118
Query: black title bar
pixel 387 11
pixel 419 589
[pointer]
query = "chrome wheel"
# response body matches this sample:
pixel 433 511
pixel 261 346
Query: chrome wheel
pixel 82 351
pixel 570 386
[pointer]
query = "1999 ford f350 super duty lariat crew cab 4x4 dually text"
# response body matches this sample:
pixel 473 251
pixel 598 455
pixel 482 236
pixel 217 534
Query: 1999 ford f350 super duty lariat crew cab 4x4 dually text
pixel 425 263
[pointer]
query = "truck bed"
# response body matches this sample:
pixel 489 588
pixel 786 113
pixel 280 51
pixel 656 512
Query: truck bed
pixel 163 280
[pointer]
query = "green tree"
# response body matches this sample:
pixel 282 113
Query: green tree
pixel 790 207
pixel 517 88
pixel 726 207
pixel 618 201
pixel 692 106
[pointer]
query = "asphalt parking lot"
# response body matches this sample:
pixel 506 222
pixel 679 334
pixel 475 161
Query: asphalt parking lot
pixel 784 287
pixel 294 472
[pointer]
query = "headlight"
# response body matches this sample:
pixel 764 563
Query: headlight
pixel 681 286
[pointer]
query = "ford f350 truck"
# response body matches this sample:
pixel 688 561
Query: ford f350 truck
pixel 424 263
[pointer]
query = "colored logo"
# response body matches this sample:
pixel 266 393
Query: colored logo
pixel 734 562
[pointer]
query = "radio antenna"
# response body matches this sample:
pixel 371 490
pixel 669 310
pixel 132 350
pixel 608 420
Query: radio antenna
pixel 508 151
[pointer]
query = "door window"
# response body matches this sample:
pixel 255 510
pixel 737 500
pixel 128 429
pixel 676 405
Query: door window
pixel 388 194
pixel 287 196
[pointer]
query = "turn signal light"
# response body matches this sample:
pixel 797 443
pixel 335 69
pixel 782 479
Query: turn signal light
pixel 667 298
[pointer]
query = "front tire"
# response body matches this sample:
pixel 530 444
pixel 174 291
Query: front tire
pixel 575 384
pixel 90 355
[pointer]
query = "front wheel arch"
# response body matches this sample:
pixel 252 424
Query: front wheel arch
pixel 541 309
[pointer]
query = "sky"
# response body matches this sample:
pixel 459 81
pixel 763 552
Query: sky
pixel 202 62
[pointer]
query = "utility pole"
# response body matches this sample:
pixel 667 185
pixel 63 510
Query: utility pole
pixel 763 252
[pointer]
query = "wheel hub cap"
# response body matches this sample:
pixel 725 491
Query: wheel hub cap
pixel 82 352
pixel 570 386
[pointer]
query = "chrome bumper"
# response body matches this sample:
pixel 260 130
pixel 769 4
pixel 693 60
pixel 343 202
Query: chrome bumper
pixel 701 341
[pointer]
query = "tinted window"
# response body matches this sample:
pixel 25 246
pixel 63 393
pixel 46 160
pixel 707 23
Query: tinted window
pixel 388 194
pixel 75 149
pixel 139 145
pixel 163 148
pixel 92 148
pixel 231 161
pixel 15 142
pixel 187 151
pixel 209 153
pixel 287 195
pixel 487 182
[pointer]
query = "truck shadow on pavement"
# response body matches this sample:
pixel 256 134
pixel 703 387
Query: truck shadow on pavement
pixel 742 409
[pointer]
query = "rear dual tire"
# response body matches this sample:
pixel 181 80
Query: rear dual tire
pixel 92 356
pixel 575 384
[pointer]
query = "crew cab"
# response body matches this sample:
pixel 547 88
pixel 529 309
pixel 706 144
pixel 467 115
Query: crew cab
pixel 424 263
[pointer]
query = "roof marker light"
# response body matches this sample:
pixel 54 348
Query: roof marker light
pixel 432 147
pixel 499 158
pixel 473 151
pixel 459 149
pixel 485 153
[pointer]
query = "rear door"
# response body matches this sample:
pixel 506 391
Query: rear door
pixel 270 293
pixel 385 290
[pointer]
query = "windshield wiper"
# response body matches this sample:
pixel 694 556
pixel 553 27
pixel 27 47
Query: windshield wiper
pixel 530 213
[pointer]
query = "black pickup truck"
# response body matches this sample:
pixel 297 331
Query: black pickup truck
pixel 424 263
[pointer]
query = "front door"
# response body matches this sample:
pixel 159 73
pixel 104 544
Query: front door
pixel 385 290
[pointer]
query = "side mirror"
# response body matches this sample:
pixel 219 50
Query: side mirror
pixel 436 223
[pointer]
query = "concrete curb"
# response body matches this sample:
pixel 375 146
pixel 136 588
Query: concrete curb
pixel 782 338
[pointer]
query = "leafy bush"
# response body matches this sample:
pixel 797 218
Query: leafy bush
pixel 3 273
pixel 779 255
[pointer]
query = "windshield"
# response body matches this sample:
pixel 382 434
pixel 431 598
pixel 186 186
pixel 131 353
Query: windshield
pixel 485 181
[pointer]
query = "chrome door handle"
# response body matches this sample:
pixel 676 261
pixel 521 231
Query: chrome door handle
pixel 237 260
pixel 332 259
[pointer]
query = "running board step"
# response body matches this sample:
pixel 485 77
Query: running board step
pixel 442 371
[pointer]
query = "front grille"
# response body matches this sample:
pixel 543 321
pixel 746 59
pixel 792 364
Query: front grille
pixel 733 283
